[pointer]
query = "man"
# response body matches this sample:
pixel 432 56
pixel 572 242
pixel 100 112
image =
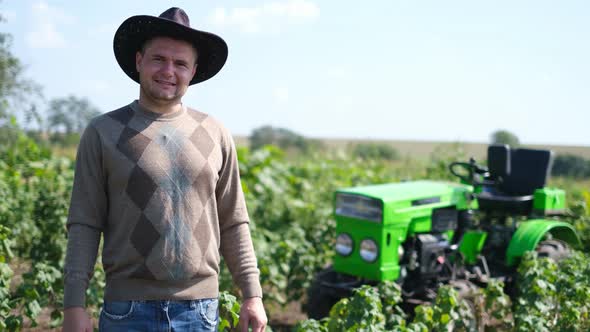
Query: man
pixel 160 181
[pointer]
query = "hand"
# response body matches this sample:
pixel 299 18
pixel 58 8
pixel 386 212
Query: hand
pixel 252 314
pixel 76 320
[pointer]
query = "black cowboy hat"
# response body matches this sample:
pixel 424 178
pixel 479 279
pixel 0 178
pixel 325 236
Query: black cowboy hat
pixel 174 23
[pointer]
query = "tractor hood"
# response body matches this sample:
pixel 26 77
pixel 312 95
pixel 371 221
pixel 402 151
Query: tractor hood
pixel 412 198
pixel 418 192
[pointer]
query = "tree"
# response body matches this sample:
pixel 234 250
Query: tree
pixel 17 93
pixel 505 137
pixel 281 137
pixel 70 114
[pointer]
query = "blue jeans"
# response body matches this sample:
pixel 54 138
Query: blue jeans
pixel 191 315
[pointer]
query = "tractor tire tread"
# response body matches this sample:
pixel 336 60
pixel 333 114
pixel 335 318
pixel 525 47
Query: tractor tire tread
pixel 553 249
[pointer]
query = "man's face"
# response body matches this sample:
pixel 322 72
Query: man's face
pixel 165 68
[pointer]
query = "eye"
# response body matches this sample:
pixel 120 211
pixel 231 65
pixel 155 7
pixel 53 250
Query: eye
pixel 182 64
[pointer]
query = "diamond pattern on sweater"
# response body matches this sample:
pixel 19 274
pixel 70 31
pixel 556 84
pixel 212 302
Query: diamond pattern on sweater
pixel 177 186
pixel 123 115
pixel 198 116
pixel 201 238
pixel 140 187
pixel 202 141
pixel 144 236
pixel 132 143
pixel 168 184
pixel 205 193
pixel 142 272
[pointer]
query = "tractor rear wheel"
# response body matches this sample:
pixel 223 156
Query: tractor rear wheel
pixel 554 249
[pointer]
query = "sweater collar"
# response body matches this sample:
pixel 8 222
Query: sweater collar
pixel 156 116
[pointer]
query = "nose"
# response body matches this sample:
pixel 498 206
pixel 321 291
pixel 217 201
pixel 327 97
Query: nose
pixel 167 68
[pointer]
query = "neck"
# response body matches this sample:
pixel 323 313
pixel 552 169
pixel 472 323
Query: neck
pixel 159 106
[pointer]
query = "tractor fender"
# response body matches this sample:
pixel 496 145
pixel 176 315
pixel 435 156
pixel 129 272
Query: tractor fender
pixel 529 234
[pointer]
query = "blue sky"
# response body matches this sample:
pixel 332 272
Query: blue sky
pixel 417 70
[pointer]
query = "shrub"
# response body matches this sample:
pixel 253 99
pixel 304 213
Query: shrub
pixel 281 137
pixel 381 151
pixel 571 165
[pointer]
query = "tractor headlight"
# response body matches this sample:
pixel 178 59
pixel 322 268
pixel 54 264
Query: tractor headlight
pixel 344 244
pixel 369 250
pixel 359 207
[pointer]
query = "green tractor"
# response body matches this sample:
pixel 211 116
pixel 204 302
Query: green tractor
pixel 422 234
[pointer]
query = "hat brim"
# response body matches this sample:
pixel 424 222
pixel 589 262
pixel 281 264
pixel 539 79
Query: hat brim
pixel 136 30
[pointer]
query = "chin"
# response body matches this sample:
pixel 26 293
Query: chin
pixel 167 99
pixel 165 96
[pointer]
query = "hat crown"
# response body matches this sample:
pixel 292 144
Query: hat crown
pixel 177 15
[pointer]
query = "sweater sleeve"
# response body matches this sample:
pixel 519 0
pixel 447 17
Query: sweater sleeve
pixel 87 215
pixel 236 244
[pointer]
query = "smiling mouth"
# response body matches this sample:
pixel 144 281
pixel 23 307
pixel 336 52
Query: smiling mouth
pixel 165 83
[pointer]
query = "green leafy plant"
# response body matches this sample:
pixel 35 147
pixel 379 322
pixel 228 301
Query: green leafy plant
pixel 229 312
pixel 553 295
pixel 497 306
pixel 362 312
pixel 390 294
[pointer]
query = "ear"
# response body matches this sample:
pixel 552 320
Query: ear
pixel 194 71
pixel 138 58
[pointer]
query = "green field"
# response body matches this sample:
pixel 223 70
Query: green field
pixel 289 199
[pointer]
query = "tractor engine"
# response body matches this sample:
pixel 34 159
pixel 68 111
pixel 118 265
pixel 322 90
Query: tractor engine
pixel 428 253
pixel 427 256
pixel 425 265
pixel 431 249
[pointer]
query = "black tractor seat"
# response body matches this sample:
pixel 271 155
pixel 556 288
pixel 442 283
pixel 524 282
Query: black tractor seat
pixel 512 205
pixel 515 175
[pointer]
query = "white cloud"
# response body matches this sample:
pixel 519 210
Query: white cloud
pixel 281 95
pixel 44 31
pixel 267 17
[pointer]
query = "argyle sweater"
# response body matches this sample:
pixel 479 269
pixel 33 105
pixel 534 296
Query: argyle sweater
pixel 164 190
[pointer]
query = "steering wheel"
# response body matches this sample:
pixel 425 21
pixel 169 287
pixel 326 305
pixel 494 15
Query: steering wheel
pixel 475 173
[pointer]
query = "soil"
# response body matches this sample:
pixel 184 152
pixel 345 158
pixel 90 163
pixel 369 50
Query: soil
pixel 283 319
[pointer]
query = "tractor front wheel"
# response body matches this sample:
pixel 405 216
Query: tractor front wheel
pixel 320 299
pixel 468 292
